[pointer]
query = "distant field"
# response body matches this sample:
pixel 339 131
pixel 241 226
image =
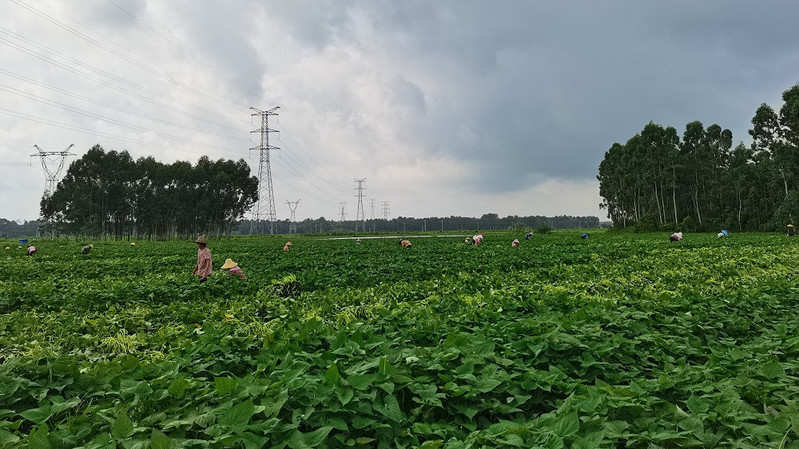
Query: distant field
pixel 621 340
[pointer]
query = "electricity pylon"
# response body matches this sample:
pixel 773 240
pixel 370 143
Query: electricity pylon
pixel 372 207
pixel 266 193
pixel 385 210
pixel 343 213
pixel 293 223
pixel 360 217
pixel 53 164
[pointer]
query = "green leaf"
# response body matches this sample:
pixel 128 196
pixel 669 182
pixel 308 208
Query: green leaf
pixel 772 370
pixel 332 375
pixel 38 415
pixel 365 440
pixel 344 394
pixel 60 405
pixel 299 440
pixel 567 425
pixel 160 441
pixel 224 385
pixel 38 439
pixel 122 427
pixel 238 416
pixel 385 368
pixel 697 404
pixel 390 409
pixel 432 444
pixel 361 381
pixel 179 386
pixel 272 407
pixel 7 438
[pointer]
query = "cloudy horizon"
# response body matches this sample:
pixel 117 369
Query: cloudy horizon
pixel 445 108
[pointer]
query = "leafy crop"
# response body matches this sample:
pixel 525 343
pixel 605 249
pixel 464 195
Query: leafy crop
pixel 618 341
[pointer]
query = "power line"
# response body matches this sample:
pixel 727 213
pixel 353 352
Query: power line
pixel 359 214
pixel 184 51
pixel 109 105
pixel 265 171
pixel 87 131
pixel 88 76
pixel 141 65
pixel 108 119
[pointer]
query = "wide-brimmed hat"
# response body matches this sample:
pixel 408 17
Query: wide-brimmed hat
pixel 229 264
pixel 288 243
pixel 202 240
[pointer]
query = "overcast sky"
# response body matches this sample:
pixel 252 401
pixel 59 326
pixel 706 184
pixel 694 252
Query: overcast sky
pixel 446 107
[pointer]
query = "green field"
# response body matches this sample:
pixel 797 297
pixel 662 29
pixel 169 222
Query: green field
pixel 621 340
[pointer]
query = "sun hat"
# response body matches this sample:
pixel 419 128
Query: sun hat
pixel 229 264
pixel 132 243
pixel 201 239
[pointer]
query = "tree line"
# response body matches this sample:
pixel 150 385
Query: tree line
pixel 699 182
pixel 108 194
pixel 487 222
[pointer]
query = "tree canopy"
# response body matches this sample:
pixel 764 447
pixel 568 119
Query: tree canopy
pixel 108 194
pixel 699 181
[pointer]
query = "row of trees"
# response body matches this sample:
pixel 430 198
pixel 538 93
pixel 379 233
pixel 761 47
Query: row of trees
pixel 13 229
pixel 108 194
pixel 453 223
pixel 700 182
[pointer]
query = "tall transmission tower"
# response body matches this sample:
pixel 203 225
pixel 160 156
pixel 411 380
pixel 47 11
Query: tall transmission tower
pixel 343 212
pixel 372 207
pixel 293 223
pixel 386 210
pixel 53 164
pixel 360 216
pixel 265 207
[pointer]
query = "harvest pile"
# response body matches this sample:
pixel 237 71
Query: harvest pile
pixel 615 341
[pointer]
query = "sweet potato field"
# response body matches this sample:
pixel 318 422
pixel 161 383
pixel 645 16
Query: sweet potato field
pixel 617 341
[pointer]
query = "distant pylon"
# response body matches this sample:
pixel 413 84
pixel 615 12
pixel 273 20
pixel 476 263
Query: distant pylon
pixel 293 223
pixel 360 216
pixel 265 206
pixel 372 207
pixel 386 210
pixel 343 212
pixel 53 164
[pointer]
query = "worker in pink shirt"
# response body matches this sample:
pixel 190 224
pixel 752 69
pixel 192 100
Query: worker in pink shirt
pixel 203 268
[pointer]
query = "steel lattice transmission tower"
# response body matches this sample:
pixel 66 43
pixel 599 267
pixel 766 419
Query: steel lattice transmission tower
pixel 360 216
pixel 293 223
pixel 53 164
pixel 343 213
pixel 372 207
pixel 265 207
pixel 386 210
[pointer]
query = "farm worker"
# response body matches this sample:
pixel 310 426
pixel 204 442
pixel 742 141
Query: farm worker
pixel 468 240
pixel 477 239
pixel 287 246
pixel 405 243
pixel 585 236
pixel 358 241
pixel 791 231
pixel 233 268
pixel 204 264
pixel 515 243
pixel 8 248
pixel 528 235
pixel 676 237
pixel 31 250
pixel 86 249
